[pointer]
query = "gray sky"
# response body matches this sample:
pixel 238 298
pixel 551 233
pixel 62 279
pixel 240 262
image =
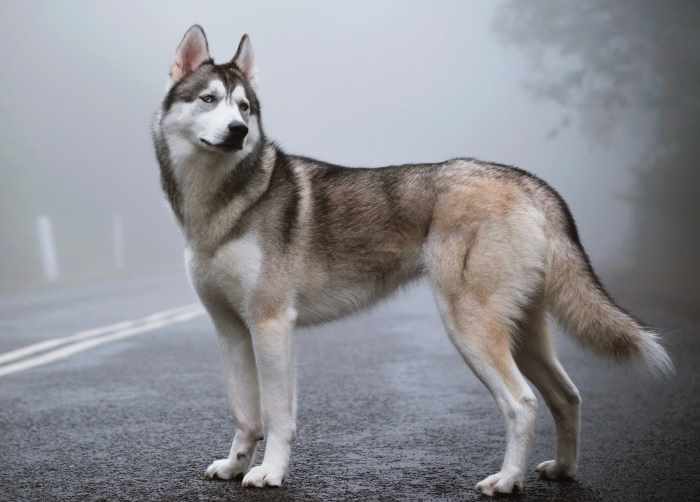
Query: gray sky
pixel 361 83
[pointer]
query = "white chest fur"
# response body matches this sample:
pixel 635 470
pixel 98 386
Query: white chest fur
pixel 231 274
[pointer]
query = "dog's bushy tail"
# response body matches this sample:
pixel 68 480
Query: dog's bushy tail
pixel 577 299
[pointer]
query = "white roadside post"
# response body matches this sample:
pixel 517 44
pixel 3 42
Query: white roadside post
pixel 47 246
pixel 118 241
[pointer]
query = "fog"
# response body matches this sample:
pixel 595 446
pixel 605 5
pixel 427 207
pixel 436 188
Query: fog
pixel 602 101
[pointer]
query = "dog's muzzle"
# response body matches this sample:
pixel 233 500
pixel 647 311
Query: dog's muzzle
pixel 237 132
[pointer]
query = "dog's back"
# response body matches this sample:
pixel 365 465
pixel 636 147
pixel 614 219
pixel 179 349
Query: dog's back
pixel 371 230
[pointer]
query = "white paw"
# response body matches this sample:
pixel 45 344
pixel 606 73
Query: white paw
pixel 225 468
pixel 501 482
pixel 550 469
pixel 264 475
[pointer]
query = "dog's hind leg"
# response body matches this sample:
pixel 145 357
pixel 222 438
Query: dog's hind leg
pixel 537 360
pixel 242 387
pixel 483 340
pixel 482 277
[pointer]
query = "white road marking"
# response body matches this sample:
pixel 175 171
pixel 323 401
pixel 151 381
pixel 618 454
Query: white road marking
pixel 82 335
pixel 88 339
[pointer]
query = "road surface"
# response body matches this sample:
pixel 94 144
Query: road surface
pixel 387 409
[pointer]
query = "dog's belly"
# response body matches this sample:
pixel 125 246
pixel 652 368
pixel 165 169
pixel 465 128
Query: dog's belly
pixel 334 300
pixel 318 306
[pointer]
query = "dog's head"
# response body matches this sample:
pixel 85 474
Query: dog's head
pixel 212 106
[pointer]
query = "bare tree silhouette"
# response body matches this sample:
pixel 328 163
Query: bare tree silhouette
pixel 612 62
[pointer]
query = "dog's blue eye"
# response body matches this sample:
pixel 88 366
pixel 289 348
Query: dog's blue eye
pixel 207 98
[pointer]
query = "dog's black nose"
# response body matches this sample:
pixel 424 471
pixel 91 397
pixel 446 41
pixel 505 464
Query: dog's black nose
pixel 237 130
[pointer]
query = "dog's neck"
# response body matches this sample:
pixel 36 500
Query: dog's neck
pixel 214 190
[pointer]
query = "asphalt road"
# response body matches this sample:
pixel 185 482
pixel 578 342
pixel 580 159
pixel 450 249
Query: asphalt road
pixel 387 410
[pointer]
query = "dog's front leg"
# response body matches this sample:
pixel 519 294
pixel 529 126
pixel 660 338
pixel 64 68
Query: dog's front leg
pixel 273 348
pixel 243 391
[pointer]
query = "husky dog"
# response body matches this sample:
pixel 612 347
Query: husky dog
pixel 277 240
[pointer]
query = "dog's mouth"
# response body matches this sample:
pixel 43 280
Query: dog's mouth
pixel 227 146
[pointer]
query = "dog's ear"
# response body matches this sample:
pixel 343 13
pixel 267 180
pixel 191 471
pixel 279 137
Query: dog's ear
pixel 190 54
pixel 245 60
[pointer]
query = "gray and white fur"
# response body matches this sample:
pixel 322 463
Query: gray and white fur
pixel 276 241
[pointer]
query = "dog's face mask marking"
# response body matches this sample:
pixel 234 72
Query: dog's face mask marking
pixel 211 106
pixel 217 117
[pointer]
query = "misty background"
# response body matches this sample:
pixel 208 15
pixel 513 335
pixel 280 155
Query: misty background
pixel 601 99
